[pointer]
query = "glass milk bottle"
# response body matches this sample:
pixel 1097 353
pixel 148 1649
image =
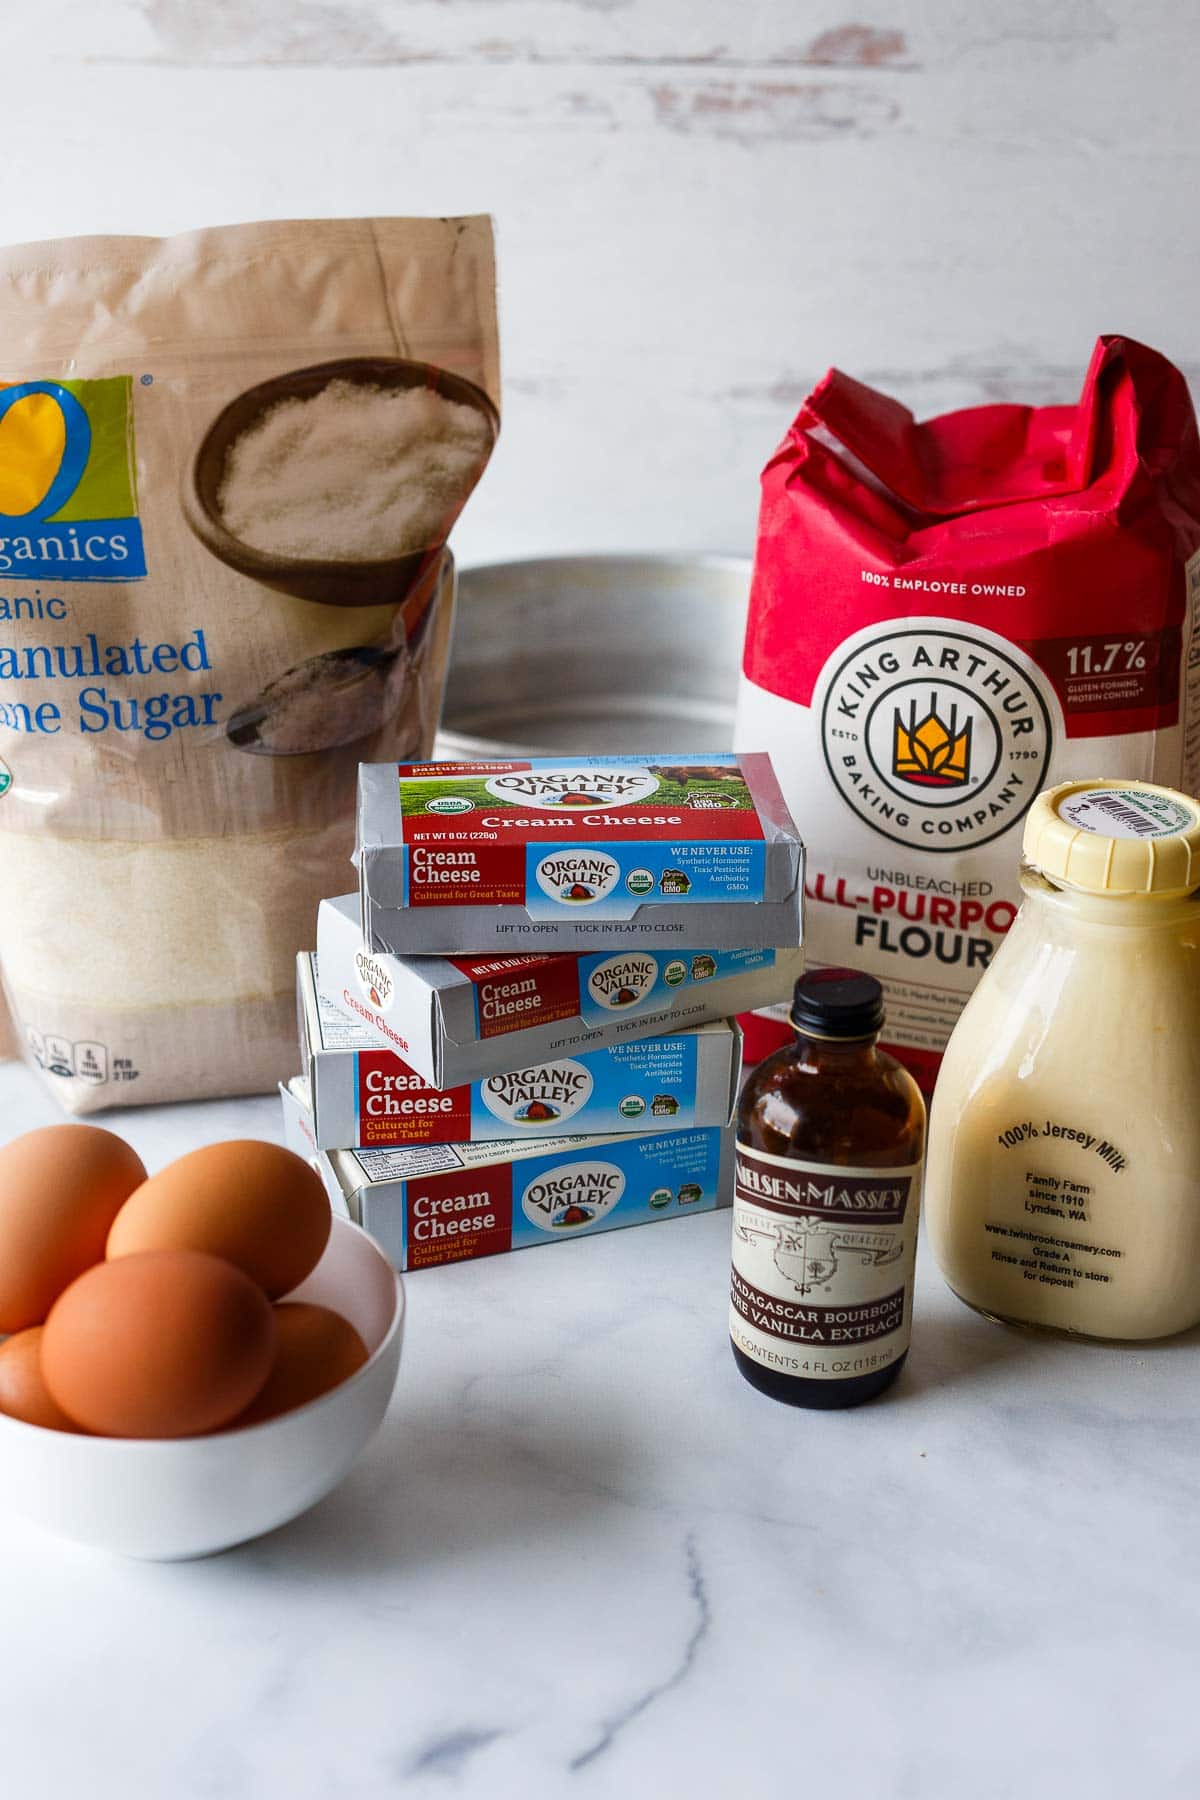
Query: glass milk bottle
pixel 1063 1175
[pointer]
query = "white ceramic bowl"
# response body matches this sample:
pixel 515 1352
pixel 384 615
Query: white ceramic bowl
pixel 171 1498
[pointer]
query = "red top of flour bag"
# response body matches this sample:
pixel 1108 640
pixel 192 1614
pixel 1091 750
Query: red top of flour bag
pixel 958 516
pixel 946 618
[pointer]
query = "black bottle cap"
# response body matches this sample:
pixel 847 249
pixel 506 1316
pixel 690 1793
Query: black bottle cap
pixel 837 1003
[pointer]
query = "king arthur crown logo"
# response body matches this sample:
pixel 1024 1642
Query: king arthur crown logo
pixel 938 739
pixel 932 752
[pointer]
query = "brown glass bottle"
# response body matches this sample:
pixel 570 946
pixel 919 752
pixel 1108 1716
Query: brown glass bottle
pixel 831 1136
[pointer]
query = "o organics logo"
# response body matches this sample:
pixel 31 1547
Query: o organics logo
pixel 68 495
pixel 6 779
pixel 573 1197
pixel 545 1095
pixel 573 790
pixel 374 980
pixel 578 877
pixel 622 982
pixel 938 739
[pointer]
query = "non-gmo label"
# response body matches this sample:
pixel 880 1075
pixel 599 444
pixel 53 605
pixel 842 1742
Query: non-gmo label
pixel 937 739
pixel 574 1196
pixel 1126 813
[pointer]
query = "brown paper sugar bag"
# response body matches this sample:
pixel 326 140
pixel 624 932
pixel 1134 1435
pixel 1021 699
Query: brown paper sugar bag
pixel 183 705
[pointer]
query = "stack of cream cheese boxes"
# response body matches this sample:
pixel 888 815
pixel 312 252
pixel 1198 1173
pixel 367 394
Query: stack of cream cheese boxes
pixel 520 1028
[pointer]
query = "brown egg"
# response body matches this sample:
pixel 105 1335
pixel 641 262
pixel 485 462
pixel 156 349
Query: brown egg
pixel 60 1190
pixel 317 1350
pixel 165 1344
pixel 258 1206
pixel 23 1391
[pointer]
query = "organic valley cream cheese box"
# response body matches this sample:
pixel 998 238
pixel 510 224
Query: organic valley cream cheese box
pixel 444 1203
pixel 570 853
pixel 362 1095
pixel 456 1020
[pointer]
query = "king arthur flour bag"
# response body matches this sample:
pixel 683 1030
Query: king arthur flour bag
pixel 228 465
pixel 946 618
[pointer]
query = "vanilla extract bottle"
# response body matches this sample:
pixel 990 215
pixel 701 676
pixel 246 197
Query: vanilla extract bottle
pixel 831 1139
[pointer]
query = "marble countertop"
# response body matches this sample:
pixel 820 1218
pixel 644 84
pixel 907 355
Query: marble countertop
pixel 583 1556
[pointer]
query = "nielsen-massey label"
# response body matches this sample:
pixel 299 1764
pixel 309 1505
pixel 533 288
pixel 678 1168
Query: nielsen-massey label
pixel 822 1266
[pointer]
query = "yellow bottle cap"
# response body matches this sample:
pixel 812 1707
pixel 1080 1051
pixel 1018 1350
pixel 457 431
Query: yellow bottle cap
pixel 1116 837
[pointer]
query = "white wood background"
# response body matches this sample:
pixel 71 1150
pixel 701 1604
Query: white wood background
pixel 700 203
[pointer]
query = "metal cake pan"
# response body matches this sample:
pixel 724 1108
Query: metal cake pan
pixel 587 655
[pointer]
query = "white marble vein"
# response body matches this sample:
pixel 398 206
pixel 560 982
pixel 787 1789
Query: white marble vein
pixel 582 1557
